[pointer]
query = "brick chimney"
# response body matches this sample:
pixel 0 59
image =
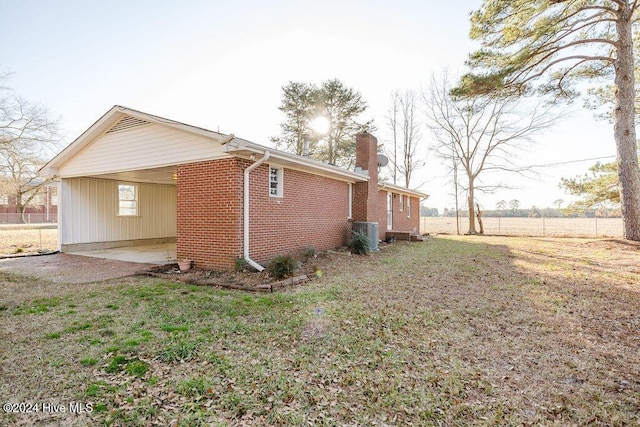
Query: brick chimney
pixel 365 194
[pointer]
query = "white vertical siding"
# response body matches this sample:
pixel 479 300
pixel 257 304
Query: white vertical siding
pixel 142 147
pixel 90 212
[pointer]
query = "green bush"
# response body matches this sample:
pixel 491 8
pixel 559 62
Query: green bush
pixel 241 265
pixel 308 252
pixel 282 266
pixel 360 243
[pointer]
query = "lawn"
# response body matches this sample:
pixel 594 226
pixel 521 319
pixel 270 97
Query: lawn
pixel 27 240
pixel 453 331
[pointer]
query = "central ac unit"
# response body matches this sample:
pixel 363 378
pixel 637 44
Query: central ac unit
pixel 369 229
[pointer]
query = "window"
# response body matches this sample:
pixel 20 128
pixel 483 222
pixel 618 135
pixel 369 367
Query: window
pixel 127 200
pixel 4 199
pixel 408 206
pixel 401 202
pixel 275 182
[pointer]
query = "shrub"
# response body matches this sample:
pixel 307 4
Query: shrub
pixel 308 252
pixel 241 265
pixel 360 243
pixel 282 266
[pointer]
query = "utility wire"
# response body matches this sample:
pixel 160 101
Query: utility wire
pixel 570 162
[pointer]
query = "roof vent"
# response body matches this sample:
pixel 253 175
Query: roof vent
pixel 127 122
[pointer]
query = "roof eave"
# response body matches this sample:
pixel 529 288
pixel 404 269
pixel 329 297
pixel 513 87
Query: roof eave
pixel 240 146
pixel 398 189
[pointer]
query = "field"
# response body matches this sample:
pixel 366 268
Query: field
pixel 585 227
pixel 16 240
pixel 452 331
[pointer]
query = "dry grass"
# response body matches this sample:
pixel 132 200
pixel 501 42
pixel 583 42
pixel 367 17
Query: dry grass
pixel 454 331
pixel 16 241
pixel 560 227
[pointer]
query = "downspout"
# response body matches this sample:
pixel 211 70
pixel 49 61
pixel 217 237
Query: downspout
pixel 247 171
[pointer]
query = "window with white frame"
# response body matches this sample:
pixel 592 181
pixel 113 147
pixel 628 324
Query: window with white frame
pixel 275 182
pixel 4 199
pixel 127 200
pixel 401 202
pixel 408 206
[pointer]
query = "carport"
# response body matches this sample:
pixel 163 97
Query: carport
pixel 117 192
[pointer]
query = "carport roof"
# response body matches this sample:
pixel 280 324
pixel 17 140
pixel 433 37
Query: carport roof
pixel 121 117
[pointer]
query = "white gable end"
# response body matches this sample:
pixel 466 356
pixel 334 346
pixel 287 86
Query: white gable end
pixel 134 144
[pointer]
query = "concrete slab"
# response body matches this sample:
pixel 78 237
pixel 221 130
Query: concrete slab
pixel 67 268
pixel 158 253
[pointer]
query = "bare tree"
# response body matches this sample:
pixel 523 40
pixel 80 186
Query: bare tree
pixel 483 133
pixel 404 124
pixel 410 136
pixel 392 122
pixel 28 135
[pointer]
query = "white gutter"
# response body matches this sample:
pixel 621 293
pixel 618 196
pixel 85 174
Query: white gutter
pixel 247 171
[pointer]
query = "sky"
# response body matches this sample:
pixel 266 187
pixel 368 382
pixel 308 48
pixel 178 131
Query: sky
pixel 221 64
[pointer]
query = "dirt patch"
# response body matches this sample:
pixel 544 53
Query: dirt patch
pixel 613 245
pixel 246 280
pixel 67 268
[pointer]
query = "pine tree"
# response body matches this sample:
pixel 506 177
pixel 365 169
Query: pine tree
pixel 549 45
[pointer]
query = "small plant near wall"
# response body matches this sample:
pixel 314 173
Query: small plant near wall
pixel 282 266
pixel 241 265
pixel 308 252
pixel 360 243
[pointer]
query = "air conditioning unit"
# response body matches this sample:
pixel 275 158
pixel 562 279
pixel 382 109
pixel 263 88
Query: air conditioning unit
pixel 369 229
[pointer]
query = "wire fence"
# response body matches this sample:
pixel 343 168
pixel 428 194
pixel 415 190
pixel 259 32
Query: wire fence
pixel 578 227
pixel 29 218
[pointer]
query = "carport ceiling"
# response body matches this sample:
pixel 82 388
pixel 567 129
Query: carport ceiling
pixel 161 175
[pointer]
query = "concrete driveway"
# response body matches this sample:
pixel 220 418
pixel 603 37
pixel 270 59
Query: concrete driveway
pixel 68 268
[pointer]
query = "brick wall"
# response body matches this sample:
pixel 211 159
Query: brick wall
pixel 45 211
pixel 401 222
pixel 313 211
pixel 364 207
pixel 209 217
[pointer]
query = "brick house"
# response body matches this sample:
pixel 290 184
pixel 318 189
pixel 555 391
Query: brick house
pixel 43 208
pixel 133 178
